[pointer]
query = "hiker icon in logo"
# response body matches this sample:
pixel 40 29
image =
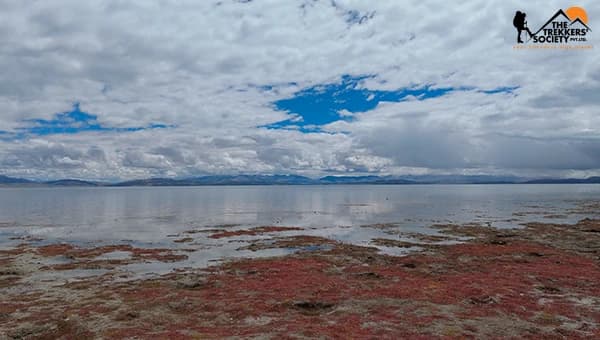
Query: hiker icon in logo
pixel 521 25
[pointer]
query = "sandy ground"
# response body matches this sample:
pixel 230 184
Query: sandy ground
pixel 541 281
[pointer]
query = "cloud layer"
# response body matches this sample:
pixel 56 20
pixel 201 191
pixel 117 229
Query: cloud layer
pixel 185 88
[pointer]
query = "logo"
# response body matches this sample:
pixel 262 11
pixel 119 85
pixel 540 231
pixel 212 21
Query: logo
pixel 565 29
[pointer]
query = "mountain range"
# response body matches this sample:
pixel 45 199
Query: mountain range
pixel 300 180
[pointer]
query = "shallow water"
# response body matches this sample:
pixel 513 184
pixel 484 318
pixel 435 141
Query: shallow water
pixel 156 216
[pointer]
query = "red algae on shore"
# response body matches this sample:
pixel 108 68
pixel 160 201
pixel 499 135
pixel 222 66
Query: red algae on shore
pixel 73 252
pixel 522 283
pixel 252 231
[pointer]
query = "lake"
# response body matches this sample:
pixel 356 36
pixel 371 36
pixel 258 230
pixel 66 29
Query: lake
pixel 156 216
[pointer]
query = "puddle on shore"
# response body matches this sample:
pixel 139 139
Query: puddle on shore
pixel 114 255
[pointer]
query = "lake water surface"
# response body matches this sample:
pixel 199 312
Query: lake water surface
pixel 155 216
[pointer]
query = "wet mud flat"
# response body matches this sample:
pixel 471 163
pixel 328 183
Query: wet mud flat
pixel 538 281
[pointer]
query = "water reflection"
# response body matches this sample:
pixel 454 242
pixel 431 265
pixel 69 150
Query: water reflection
pixel 156 216
pixel 149 214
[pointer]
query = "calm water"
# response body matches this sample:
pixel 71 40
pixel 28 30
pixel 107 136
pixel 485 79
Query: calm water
pixel 156 216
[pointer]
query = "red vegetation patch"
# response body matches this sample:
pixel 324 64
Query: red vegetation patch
pixel 77 253
pixel 7 307
pixel 15 251
pixel 313 243
pixel 331 293
pixel 252 231
pixel 492 285
pixel 125 333
pixel 55 249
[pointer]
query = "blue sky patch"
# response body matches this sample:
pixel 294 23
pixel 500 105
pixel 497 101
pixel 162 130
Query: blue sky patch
pixel 71 122
pixel 319 105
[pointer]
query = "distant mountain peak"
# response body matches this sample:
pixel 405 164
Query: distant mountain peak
pixel 12 180
pixel 291 179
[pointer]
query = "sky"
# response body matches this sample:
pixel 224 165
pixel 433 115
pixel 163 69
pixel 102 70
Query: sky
pixel 117 90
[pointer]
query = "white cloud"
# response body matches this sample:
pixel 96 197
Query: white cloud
pixel 199 65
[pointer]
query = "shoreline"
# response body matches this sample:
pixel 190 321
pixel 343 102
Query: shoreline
pixel 539 281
